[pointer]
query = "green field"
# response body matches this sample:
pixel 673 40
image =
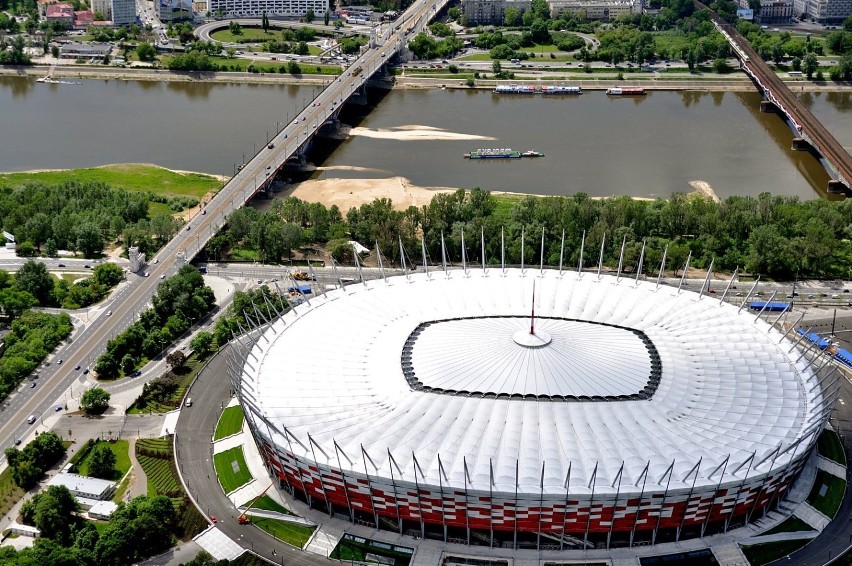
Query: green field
pixel 829 503
pixel 130 176
pixel 272 67
pixel 349 550
pixel 122 465
pixel 791 525
pixel 291 533
pixel 269 504
pixel 249 35
pixel 155 457
pixel 759 554
pixel 230 422
pixel 829 445
pixel 224 464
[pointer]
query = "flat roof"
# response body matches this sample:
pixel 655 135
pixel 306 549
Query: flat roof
pixel 82 484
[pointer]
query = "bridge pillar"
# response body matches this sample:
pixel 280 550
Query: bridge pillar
pixel 769 107
pixel 800 144
pixel 836 187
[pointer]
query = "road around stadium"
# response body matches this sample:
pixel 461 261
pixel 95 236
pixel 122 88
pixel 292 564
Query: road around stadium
pixel 212 391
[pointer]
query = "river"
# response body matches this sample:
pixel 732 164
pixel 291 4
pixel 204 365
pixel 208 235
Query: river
pixel 644 146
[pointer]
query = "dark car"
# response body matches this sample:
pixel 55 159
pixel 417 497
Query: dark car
pixel 137 373
pixel 57 408
pixel 85 371
pixel 77 367
pixel 17 441
pixel 60 265
pixel 33 384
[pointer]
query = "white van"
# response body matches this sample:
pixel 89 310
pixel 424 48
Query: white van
pixel 189 402
pixel 31 419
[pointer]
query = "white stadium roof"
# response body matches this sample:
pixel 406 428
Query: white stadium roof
pixel 442 368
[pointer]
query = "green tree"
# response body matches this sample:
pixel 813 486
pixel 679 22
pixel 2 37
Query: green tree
pixel 264 22
pixel 326 17
pixel 50 249
pixel 90 241
pixel 102 464
pixel 422 46
pixel 309 16
pixel 33 278
pixel 176 359
pixel 235 28
pixel 146 52
pixel 809 65
pixel 128 364
pixel 14 302
pixel 52 512
pixel 94 401
pixel 108 274
pixel 202 343
pixel 511 17
pixel 54 51
pixel 294 68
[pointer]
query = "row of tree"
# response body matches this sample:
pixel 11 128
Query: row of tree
pixel 143 527
pixel 180 300
pixel 32 338
pixel 28 465
pixel 775 236
pixel 84 216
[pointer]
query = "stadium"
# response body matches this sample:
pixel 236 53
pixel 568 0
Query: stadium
pixel 532 408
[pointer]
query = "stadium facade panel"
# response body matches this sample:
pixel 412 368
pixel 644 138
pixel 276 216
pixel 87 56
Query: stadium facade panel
pixel 620 412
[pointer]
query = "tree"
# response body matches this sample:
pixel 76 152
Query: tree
pixel 809 65
pixel 54 51
pixel 176 359
pixel 235 28
pixel 291 237
pixel 108 274
pixel 33 278
pixel 422 46
pixel 146 52
pixel 264 22
pixel 309 16
pixel 102 464
pixel 52 512
pixel 94 401
pixel 294 68
pixel 326 17
pixel 89 240
pixel 202 343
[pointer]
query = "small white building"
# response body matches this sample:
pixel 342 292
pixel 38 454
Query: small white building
pixel 102 510
pixel 24 530
pixel 88 491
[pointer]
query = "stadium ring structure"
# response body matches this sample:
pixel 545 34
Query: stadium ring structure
pixel 625 412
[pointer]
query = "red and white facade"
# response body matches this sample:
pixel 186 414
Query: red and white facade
pixel 624 412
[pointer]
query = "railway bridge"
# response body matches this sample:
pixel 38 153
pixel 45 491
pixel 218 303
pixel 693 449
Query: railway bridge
pixel 810 134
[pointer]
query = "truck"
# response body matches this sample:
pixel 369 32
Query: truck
pixel 302 276
pixel 356 71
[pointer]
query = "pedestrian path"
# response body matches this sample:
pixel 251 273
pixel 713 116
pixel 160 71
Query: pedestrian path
pixel 218 545
pixel 730 555
pixel 324 541
pixel 831 467
pixel 811 516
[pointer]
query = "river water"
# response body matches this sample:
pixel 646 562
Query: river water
pixel 645 146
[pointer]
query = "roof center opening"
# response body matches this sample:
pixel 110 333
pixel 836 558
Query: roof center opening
pixel 560 359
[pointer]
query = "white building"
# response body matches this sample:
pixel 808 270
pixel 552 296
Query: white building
pixel 776 11
pixel 823 11
pixel 123 12
pixel 103 510
pixel 491 11
pixel 595 9
pixel 88 491
pixel 273 8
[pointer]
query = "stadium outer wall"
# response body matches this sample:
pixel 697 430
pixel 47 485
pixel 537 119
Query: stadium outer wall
pixel 520 520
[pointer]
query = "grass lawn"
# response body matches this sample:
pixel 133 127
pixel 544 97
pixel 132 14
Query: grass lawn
pixel 249 35
pixel 122 464
pixel 349 550
pixel 272 67
pixel 130 176
pixel 269 504
pixel 791 525
pixel 230 422
pixel 101 526
pixel 829 503
pixel 225 464
pixel 9 492
pixel 759 554
pixel 291 533
pixel 829 445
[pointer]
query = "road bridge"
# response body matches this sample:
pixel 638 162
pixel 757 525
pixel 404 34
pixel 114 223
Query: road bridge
pixel 810 133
